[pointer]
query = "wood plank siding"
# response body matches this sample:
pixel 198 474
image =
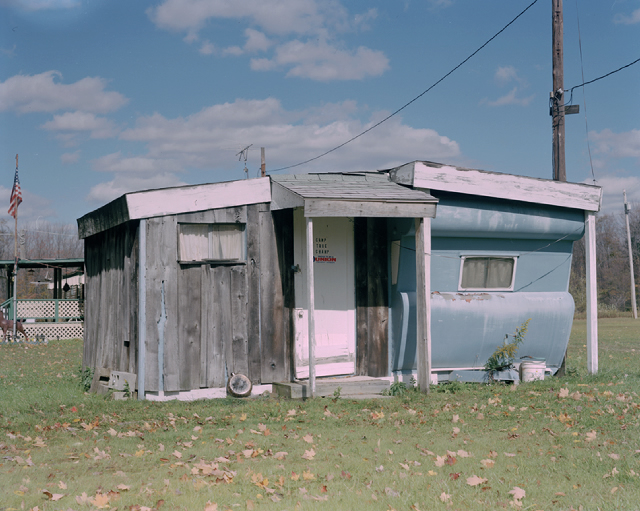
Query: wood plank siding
pixel 372 303
pixel 204 320
pixel 112 264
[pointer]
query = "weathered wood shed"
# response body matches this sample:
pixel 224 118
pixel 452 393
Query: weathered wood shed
pixel 187 285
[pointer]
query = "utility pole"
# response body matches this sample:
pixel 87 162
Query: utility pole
pixel 633 281
pixel 263 166
pixel 557 96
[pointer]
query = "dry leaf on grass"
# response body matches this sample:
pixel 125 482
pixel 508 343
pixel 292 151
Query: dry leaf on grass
pixel 309 455
pixel 475 480
pixel 445 497
pixel 487 463
pixel 53 496
pixel 518 493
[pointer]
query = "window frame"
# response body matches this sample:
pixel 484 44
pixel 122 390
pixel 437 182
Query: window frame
pixel 242 227
pixel 463 258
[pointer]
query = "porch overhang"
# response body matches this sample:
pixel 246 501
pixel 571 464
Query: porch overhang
pixel 350 195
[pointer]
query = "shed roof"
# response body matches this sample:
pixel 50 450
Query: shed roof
pixel 172 201
pixel 437 176
pixel 349 194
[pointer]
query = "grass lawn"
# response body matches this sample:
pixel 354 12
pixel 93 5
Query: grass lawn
pixel 569 443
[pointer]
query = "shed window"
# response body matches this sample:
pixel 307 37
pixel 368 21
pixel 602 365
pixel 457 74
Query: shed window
pixel 211 242
pixel 496 273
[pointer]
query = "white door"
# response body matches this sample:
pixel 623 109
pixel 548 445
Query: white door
pixel 335 315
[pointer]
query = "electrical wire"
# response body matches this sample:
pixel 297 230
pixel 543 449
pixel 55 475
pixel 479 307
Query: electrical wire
pixel 604 76
pixel 414 99
pixel 584 96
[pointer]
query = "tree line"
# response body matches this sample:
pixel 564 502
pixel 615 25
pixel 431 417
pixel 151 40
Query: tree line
pixel 612 266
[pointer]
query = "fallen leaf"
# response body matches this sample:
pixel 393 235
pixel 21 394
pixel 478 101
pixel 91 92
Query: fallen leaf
pixel 518 493
pixel 487 463
pixel 474 480
pixel 564 392
pixel 309 455
pixel 445 497
pixel 391 493
pixel 53 496
pixel 308 438
pixel 101 500
pixel 62 486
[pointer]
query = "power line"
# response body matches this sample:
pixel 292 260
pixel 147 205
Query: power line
pixel 584 96
pixel 604 76
pixel 414 99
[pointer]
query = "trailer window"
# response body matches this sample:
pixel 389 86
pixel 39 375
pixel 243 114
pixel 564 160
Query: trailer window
pixel 211 242
pixel 484 273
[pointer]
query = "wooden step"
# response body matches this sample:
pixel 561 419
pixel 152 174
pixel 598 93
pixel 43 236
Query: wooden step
pixel 349 387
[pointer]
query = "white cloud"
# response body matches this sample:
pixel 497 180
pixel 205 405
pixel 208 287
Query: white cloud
pixel 505 76
pixel 43 93
pixel 321 61
pixel 616 145
pixel 511 98
pixel 105 192
pixel 99 127
pixel 256 42
pixel 37 5
pixel 274 16
pixel 32 206
pixel 207 48
pixel 632 19
pixel 209 140
pixel 612 188
pixel 70 158
pixel 312 24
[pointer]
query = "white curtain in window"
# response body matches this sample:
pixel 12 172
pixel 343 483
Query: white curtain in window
pixel 193 241
pixel 499 273
pixel 226 242
pixel 473 273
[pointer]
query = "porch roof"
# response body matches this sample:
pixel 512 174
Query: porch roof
pixel 78 262
pixel 358 194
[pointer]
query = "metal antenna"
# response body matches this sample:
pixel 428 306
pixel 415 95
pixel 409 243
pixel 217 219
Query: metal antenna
pixel 244 153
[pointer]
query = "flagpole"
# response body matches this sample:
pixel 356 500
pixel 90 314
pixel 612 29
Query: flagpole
pixel 15 269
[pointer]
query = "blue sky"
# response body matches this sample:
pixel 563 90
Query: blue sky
pixel 102 97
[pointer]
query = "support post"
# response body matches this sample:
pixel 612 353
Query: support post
pixel 311 312
pixel 557 95
pixel 592 292
pixel 142 304
pixel 423 301
pixel 633 280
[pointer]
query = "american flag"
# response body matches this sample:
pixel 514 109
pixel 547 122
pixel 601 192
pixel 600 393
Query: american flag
pixel 16 196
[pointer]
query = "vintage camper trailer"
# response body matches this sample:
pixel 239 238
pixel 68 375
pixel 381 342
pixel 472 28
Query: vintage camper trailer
pixel 501 255
pixel 296 276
